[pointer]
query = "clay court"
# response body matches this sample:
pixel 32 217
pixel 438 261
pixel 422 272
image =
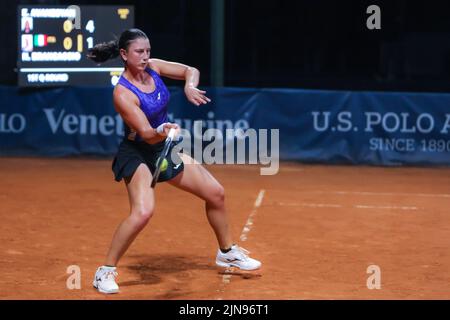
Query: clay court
pixel 315 228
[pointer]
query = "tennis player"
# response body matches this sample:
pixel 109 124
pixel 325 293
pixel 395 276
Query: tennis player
pixel 141 99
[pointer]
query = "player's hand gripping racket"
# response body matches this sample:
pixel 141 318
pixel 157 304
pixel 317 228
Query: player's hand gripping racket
pixel 162 156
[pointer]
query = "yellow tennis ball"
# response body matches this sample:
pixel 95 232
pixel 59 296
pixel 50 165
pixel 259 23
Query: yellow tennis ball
pixel 164 165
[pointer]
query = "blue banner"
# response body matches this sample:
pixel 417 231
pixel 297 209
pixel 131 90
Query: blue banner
pixel 339 127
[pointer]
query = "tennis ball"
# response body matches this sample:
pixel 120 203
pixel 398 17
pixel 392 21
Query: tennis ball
pixel 164 165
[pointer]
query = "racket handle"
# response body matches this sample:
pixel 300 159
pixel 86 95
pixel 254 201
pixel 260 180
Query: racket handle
pixel 171 134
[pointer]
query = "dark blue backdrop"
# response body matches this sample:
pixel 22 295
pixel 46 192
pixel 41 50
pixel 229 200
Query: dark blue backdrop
pixel 315 126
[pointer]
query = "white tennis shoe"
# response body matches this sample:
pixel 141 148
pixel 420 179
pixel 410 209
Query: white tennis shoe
pixel 237 257
pixel 105 280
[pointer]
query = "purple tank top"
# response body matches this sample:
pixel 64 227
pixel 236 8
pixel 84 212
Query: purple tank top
pixel 153 104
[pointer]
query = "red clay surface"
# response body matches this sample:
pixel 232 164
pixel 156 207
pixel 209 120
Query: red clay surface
pixel 317 230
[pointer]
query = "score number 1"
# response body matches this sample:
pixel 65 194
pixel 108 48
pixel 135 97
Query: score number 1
pixel 68 27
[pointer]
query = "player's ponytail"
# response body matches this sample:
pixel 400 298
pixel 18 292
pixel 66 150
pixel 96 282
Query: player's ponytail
pixel 109 50
pixel 104 51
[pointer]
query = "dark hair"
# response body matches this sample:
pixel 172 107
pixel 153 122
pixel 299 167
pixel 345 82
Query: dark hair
pixel 110 50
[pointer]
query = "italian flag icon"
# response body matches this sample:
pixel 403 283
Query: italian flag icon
pixel 40 40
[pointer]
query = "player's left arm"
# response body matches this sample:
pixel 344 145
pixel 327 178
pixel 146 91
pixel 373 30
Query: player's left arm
pixel 179 71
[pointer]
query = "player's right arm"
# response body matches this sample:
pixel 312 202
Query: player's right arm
pixel 127 105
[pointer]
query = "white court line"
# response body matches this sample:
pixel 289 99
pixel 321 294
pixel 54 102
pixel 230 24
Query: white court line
pixel 311 205
pixel 432 195
pixel 357 206
pixel 226 278
pixel 249 223
pixel 386 207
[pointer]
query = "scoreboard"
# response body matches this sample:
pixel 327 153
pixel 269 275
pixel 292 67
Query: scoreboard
pixel 54 42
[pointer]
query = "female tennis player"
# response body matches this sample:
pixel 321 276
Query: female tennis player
pixel 141 98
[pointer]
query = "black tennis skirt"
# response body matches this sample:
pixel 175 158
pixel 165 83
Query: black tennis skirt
pixel 131 154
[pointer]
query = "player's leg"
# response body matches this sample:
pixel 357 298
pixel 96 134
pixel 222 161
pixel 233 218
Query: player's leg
pixel 198 181
pixel 142 203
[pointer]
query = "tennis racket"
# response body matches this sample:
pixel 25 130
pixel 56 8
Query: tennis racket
pixel 162 156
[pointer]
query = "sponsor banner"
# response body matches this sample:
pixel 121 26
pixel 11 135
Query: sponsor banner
pixel 58 122
pixel 377 128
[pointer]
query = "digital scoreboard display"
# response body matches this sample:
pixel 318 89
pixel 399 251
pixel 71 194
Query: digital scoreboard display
pixel 54 42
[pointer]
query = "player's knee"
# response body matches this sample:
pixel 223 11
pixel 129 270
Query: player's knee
pixel 142 215
pixel 217 195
